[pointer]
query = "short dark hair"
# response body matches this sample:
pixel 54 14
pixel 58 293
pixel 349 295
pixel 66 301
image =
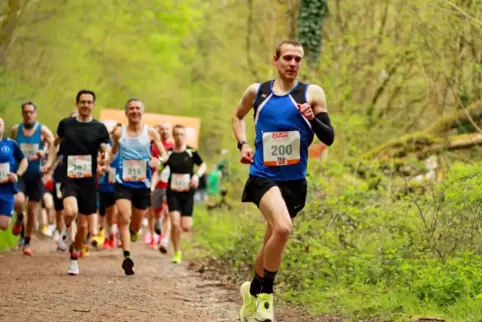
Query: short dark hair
pixel 84 91
pixel 29 103
pixel 178 126
pixel 286 42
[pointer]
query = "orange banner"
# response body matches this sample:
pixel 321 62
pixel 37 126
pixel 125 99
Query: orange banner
pixel 192 124
pixel 316 149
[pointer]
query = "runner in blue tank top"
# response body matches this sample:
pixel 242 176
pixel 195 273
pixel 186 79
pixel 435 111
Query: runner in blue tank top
pixel 31 136
pixel 133 178
pixel 287 115
pixel 11 159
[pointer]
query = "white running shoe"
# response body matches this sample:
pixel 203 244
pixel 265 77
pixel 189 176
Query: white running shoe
pixel 164 246
pixel 73 267
pixel 64 240
pixel 49 232
pixel 145 222
pixel 56 235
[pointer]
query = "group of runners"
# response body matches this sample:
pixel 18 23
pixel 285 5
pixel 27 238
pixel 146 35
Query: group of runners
pixel 139 170
pixel 120 172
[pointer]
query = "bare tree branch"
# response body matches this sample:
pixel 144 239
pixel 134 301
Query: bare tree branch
pixel 248 40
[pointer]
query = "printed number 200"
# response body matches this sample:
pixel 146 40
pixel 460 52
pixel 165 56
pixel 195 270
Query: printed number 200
pixel 280 150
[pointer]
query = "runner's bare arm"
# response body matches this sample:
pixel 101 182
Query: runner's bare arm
pixel 156 140
pixel 55 162
pixel 243 108
pixel 201 170
pixel 320 122
pixel 316 98
pixel 105 148
pixel 22 167
pixel 53 150
pixel 47 138
pixel 116 134
pixel 155 178
pixel 13 132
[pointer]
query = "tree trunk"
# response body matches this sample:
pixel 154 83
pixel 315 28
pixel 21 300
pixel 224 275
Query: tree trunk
pixel 7 29
pixel 435 137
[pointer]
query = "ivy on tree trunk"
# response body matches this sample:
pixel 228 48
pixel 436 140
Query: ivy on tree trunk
pixel 312 14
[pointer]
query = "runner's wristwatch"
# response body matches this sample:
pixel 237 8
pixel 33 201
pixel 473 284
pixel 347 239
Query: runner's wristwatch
pixel 240 144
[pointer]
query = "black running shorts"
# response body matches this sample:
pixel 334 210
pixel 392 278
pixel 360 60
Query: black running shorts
pixel 31 186
pixel 140 198
pixel 183 202
pixel 107 199
pixel 85 191
pixel 293 192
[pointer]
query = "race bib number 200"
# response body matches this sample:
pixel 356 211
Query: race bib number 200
pixel 281 148
pixel 134 170
pixel 4 171
pixel 79 166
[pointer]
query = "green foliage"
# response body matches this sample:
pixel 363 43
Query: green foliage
pixel 358 252
pixel 388 68
pixel 310 27
pixel 7 240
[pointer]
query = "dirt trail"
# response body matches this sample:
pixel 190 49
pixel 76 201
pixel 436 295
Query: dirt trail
pixel 38 289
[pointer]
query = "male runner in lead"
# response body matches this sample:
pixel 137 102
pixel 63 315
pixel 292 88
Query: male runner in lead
pixel 287 114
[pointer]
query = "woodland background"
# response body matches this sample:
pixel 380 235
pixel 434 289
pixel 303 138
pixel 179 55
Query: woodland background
pixel 392 228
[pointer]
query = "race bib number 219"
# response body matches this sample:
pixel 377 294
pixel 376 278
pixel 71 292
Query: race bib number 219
pixel 281 148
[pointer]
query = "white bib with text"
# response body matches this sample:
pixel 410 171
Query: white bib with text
pixel 111 175
pixel 281 148
pixel 79 166
pixel 134 170
pixel 180 182
pixel 30 150
pixel 4 171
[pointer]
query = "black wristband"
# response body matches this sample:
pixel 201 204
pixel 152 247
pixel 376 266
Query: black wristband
pixel 240 144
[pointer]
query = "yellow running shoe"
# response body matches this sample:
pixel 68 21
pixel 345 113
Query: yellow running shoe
pixel 134 235
pixel 84 252
pixel 264 308
pixel 177 258
pixel 249 303
pixel 99 239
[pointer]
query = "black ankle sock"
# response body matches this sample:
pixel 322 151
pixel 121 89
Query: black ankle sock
pixel 26 241
pixel 22 232
pixel 87 238
pixel 127 254
pixel 19 217
pixel 256 285
pixel 268 281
